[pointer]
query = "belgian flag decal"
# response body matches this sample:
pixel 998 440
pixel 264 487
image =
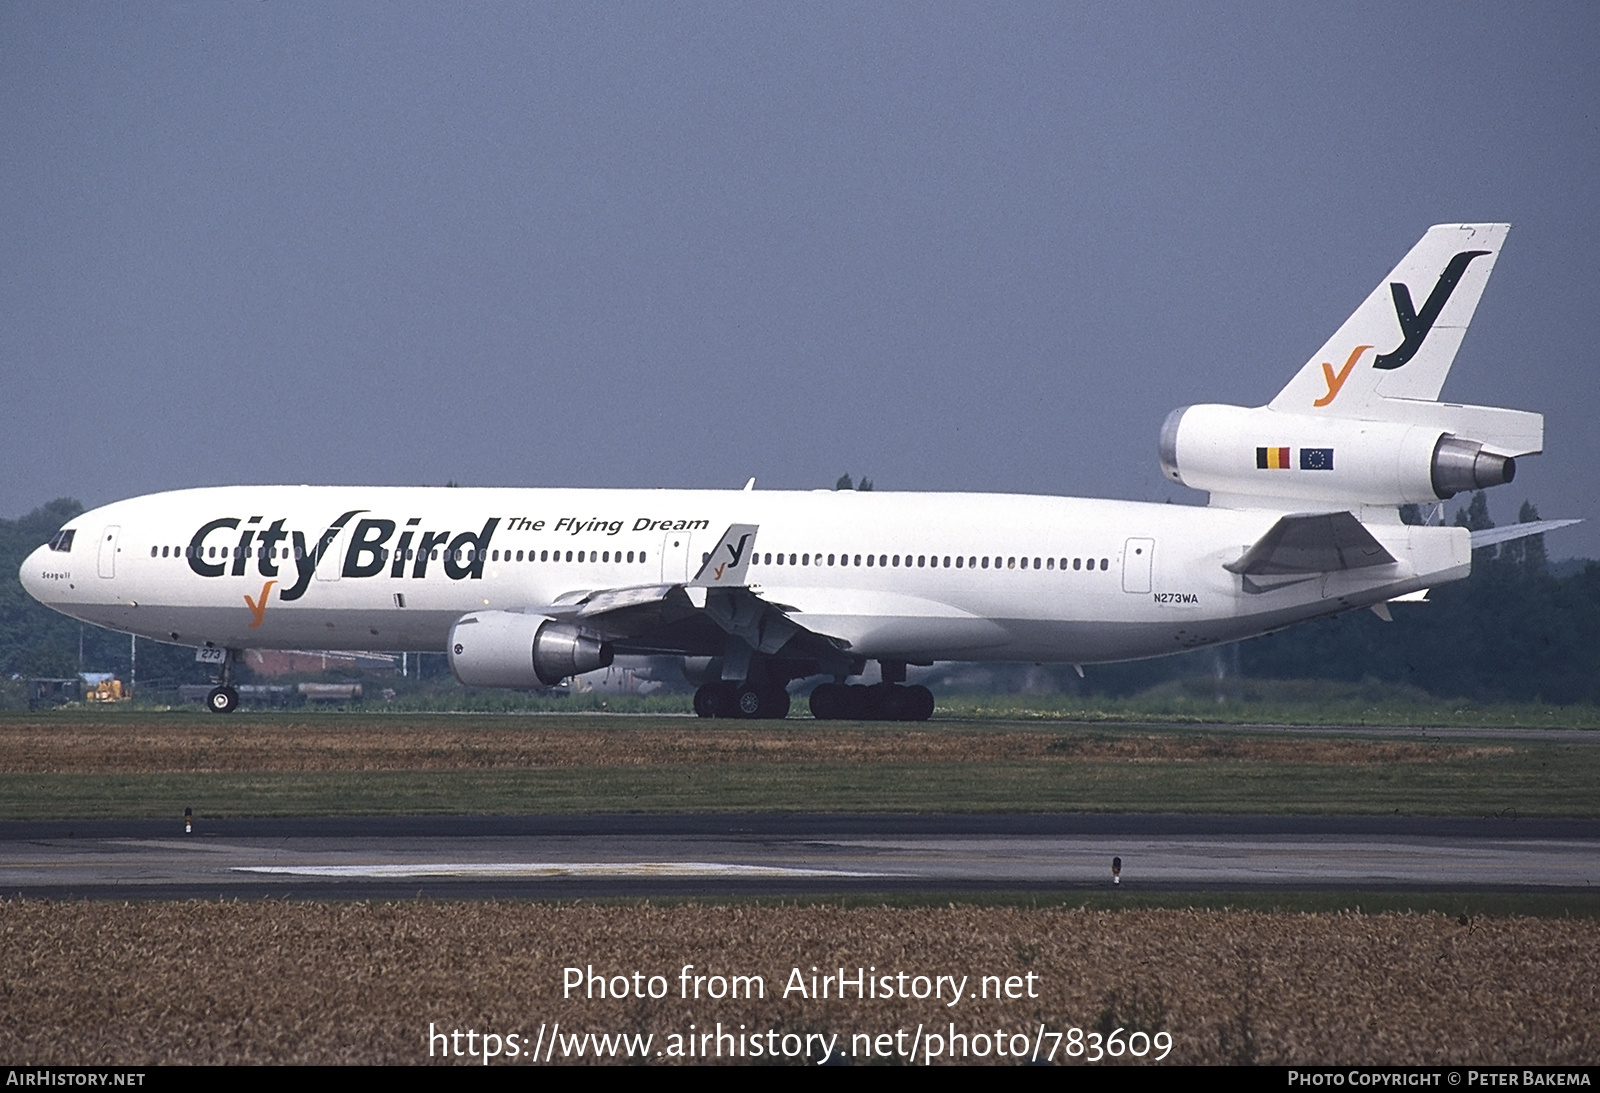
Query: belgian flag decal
pixel 1272 459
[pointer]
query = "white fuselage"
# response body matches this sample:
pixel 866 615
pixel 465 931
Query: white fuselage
pixel 908 576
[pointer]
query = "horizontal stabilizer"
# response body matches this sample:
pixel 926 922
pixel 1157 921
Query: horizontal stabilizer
pixel 1312 542
pixel 1491 536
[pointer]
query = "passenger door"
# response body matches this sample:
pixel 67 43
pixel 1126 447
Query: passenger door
pixel 1137 556
pixel 108 551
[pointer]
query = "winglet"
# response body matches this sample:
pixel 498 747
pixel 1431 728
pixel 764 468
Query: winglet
pixel 728 561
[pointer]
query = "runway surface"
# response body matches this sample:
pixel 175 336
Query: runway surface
pixel 566 857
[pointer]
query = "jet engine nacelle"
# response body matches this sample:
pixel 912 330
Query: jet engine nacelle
pixel 505 649
pixel 1235 452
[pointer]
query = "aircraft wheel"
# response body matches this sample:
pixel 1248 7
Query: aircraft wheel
pixel 748 702
pixel 828 700
pixel 222 700
pixel 886 702
pixel 705 700
pixel 774 703
pixel 855 702
pixel 919 703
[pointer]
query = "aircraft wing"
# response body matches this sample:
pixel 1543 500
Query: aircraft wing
pixel 1308 543
pixel 714 613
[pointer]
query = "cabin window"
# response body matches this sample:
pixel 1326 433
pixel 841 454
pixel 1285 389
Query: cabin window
pixel 1105 564
pixel 958 562
pixel 986 563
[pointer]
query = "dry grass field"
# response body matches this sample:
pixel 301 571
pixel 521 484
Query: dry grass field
pixel 105 983
pixel 91 764
pixel 86 983
pixel 156 745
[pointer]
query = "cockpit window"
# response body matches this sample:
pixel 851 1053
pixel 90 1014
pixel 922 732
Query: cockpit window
pixel 63 540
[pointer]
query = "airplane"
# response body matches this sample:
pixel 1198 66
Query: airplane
pixel 523 588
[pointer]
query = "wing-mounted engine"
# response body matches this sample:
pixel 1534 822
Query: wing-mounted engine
pixel 1255 456
pixel 505 649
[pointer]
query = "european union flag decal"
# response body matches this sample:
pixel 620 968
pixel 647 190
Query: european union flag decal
pixel 1316 459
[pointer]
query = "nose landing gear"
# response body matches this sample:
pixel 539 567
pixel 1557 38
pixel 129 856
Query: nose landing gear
pixel 223 698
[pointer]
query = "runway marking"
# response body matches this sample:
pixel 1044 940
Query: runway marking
pixel 550 869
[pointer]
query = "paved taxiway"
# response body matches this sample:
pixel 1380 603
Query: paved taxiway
pixel 785 854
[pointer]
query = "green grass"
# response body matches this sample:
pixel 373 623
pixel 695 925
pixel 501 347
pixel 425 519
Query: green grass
pixel 1231 701
pixel 1472 905
pixel 1274 702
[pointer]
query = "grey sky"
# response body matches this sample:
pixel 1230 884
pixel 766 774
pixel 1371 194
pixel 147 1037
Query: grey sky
pixel 952 247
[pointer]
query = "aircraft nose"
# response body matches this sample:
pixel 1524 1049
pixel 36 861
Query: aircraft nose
pixel 32 575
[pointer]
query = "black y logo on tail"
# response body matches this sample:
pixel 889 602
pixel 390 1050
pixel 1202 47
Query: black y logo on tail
pixel 1415 325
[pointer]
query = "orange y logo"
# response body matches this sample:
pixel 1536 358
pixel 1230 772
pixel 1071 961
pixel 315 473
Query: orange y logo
pixel 258 611
pixel 1336 383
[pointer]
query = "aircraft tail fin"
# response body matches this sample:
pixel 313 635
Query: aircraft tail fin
pixel 1402 340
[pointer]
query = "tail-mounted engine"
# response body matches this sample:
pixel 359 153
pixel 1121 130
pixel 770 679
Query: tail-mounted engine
pixel 504 649
pixel 1240 454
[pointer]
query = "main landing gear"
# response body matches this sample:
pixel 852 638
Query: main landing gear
pixel 725 699
pixel 879 702
pixel 890 700
pixel 223 697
